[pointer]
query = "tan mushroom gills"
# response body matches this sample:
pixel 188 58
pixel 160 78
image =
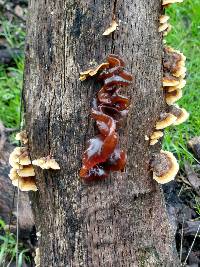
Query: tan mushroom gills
pixel 26 171
pixel 28 184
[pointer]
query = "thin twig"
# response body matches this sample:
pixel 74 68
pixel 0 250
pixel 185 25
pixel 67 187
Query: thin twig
pixel 189 153
pixel 181 248
pixel 17 243
pixel 192 245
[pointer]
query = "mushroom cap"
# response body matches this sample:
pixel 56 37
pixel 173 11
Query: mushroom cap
pixel 180 72
pixel 14 159
pixel 13 175
pixel 168 120
pixel 163 27
pixel 170 81
pixel 112 28
pixel 24 183
pixel 163 18
pixel 28 184
pixel 153 142
pixel 182 118
pixel 171 171
pixel 22 136
pixel 27 171
pixel 93 71
pixel 24 159
pixel 167 2
pixel 156 135
pixel 46 163
pixel 18 182
pixel 172 97
pixel 167 30
pixel 181 84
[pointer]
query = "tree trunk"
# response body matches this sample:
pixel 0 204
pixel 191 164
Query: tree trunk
pixel 121 221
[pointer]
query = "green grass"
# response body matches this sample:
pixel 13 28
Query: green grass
pixel 8 246
pixel 11 78
pixel 185 36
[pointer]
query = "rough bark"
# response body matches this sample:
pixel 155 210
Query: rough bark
pixel 121 221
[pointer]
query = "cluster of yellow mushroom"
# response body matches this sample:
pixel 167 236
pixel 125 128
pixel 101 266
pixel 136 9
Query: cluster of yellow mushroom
pixel 174 72
pixel 164 165
pixel 22 173
pixel 164 27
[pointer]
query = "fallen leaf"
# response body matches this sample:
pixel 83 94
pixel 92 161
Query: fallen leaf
pixel 19 11
pixel 192 176
pixel 194 144
pixel 111 28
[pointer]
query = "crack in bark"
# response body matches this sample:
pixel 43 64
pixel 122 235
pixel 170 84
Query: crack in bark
pixel 113 18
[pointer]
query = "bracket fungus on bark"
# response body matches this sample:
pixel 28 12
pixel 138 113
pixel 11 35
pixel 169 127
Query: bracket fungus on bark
pixel 172 97
pixel 166 3
pixel 155 137
pixel 166 119
pixel 24 183
pixel 170 80
pixel 22 173
pixel 113 26
pixel 103 154
pixel 181 85
pixel 173 74
pixel 181 114
pixel 46 163
pixel 22 137
pixel 92 71
pixel 165 167
pixel 164 26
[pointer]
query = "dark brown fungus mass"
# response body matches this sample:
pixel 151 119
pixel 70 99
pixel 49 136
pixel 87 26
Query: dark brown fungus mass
pixel 103 154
